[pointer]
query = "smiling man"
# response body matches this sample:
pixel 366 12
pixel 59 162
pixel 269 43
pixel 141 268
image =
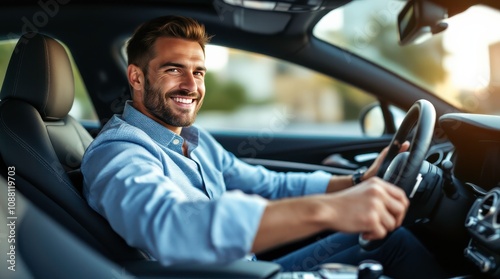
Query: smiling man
pixel 168 188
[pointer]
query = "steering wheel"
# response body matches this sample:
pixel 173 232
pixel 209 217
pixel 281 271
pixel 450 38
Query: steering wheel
pixel 402 169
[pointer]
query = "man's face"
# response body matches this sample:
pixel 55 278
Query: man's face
pixel 174 86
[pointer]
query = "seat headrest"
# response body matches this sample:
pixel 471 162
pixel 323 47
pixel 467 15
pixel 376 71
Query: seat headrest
pixel 40 73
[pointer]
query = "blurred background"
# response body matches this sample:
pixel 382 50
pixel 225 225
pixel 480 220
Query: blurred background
pixel 247 91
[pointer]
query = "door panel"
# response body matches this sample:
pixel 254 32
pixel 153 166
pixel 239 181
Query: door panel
pixel 304 153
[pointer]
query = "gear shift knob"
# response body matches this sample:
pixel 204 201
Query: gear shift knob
pixel 370 270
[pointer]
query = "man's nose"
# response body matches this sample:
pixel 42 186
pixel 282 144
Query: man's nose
pixel 188 83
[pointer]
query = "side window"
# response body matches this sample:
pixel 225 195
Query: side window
pixel 82 109
pixel 251 92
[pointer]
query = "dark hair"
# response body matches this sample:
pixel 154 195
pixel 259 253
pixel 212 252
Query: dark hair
pixel 140 47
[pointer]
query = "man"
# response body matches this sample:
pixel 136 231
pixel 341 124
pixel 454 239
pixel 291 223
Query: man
pixel 169 188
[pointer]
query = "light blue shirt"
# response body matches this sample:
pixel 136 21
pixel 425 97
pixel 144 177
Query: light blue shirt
pixel 202 208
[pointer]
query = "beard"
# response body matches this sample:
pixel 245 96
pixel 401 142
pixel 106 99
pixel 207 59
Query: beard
pixel 155 101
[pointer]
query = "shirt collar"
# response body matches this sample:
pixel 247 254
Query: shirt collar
pixel 158 132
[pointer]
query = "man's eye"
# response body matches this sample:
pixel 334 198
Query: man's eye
pixel 173 70
pixel 199 74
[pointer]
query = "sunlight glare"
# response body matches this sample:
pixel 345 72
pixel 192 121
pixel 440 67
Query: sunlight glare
pixel 216 57
pixel 467 42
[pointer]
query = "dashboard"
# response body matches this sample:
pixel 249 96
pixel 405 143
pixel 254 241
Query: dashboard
pixel 476 161
pixel 477 147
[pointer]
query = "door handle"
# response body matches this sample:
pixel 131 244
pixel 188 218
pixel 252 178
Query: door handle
pixel 336 160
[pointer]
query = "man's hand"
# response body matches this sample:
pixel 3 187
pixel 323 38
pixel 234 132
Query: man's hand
pixel 374 208
pixel 372 171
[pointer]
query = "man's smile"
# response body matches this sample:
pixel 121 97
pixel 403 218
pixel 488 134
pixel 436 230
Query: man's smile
pixel 184 102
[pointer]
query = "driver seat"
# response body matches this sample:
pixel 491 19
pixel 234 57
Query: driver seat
pixel 45 145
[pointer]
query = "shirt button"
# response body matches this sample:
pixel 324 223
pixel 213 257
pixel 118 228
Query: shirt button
pixel 176 141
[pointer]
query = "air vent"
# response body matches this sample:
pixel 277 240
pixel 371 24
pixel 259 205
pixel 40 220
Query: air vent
pixel 487 206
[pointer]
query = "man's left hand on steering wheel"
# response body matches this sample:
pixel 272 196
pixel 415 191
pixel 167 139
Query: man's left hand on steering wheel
pixel 374 168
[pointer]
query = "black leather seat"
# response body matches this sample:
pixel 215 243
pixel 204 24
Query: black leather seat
pixel 45 145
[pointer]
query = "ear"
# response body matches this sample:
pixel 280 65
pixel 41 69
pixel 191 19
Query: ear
pixel 135 78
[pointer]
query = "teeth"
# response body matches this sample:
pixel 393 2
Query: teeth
pixel 183 100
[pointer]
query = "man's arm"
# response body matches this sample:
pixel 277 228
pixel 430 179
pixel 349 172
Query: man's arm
pixel 373 208
pixel 176 223
pixel 251 179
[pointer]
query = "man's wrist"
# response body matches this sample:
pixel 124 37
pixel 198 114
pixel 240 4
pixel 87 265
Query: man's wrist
pixel 357 176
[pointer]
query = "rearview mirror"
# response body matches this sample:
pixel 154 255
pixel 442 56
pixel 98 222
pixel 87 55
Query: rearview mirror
pixel 419 20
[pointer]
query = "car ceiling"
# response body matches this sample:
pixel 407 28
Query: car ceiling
pixel 81 24
pixel 208 11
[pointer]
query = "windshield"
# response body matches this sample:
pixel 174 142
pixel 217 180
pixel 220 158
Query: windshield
pixel 461 65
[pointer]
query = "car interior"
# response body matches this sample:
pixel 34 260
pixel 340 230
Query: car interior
pixel 60 233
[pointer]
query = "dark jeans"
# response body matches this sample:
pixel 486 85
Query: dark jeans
pixel 402 255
